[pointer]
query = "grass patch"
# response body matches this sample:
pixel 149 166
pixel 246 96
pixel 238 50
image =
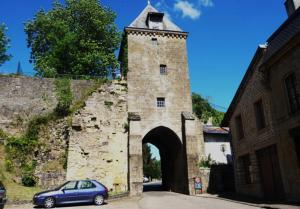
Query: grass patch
pixel 88 92
pixel 15 192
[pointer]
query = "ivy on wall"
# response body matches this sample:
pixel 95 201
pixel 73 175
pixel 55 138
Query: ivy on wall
pixel 21 151
pixel 64 97
pixel 123 58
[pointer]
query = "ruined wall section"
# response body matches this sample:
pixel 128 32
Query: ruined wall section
pixel 22 98
pixel 99 138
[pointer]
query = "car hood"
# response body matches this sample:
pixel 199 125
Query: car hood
pixel 53 191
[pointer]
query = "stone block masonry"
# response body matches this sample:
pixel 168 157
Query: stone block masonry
pixel 99 138
pixel 103 120
pixel 21 98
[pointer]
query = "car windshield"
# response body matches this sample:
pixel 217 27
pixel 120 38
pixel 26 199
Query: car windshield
pixel 61 186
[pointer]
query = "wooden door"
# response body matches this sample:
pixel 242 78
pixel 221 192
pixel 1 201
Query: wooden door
pixel 270 173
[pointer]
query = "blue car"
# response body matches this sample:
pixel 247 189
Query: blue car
pixel 2 195
pixel 84 191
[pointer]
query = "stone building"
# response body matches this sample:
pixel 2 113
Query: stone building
pixel 264 117
pixel 159 101
pixel 217 144
pixel 153 106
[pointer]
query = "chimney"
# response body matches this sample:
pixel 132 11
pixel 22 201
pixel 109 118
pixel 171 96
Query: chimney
pixel 291 6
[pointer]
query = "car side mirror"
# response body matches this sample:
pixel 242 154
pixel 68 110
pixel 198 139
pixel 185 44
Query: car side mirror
pixel 63 190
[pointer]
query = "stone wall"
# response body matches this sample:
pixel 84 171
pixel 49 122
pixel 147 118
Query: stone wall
pixel 253 139
pixel 22 98
pixel 277 134
pixel 99 138
pixel 284 120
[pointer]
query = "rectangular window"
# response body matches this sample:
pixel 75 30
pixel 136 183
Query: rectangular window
pixel 163 69
pixel 292 94
pixel 245 164
pixel 239 127
pixel 154 41
pixel 160 102
pixel 259 115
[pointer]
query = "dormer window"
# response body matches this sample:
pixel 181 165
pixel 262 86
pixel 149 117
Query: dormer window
pixel 155 20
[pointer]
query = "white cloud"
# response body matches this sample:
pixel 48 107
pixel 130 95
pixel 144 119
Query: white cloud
pixel 187 9
pixel 164 7
pixel 206 3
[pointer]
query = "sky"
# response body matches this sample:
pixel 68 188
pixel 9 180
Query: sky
pixel 223 36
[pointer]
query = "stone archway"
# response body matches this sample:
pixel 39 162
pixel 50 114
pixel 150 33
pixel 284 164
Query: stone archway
pixel 173 166
pixel 180 149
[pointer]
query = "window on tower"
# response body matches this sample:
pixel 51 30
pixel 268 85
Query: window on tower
pixel 160 102
pixel 163 69
pixel 154 41
pixel 155 20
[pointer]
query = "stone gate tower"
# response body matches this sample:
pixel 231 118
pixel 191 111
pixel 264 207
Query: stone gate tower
pixel 159 101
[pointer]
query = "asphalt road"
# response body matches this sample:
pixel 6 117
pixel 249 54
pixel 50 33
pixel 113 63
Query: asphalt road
pixel 167 200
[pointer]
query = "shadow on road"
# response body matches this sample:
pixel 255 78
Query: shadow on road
pixel 249 200
pixel 71 205
pixel 153 186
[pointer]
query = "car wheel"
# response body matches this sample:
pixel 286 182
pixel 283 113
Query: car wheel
pixel 99 200
pixel 49 202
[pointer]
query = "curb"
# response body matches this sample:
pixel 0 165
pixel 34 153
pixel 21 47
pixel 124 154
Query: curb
pixel 110 198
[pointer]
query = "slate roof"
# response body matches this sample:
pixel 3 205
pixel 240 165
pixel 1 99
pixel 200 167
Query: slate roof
pixel 140 21
pixel 289 29
pixel 207 129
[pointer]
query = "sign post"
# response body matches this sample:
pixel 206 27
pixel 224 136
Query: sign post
pixel 198 185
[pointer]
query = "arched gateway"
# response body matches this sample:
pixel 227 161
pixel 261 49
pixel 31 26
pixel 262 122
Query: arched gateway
pixel 154 59
pixel 171 151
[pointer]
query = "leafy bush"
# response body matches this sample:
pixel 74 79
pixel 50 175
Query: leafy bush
pixel 204 111
pixel 28 181
pixel 64 97
pixel 64 159
pixel 8 165
pixel 126 127
pixel 206 162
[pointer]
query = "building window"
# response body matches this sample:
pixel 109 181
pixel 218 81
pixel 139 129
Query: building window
pixel 259 115
pixel 160 102
pixel 163 69
pixel 245 164
pixel 239 127
pixel 154 41
pixel 292 94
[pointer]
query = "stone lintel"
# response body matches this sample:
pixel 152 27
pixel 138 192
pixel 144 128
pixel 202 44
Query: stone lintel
pixel 134 116
pixel 188 116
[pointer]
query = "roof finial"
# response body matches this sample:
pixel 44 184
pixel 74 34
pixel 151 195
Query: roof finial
pixel 149 2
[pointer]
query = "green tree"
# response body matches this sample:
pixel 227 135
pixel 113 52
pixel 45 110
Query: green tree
pixel 4 44
pixel 78 37
pixel 151 166
pixel 204 111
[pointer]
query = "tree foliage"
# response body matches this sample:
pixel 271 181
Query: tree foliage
pixel 4 44
pixel 151 166
pixel 123 57
pixel 205 111
pixel 78 37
